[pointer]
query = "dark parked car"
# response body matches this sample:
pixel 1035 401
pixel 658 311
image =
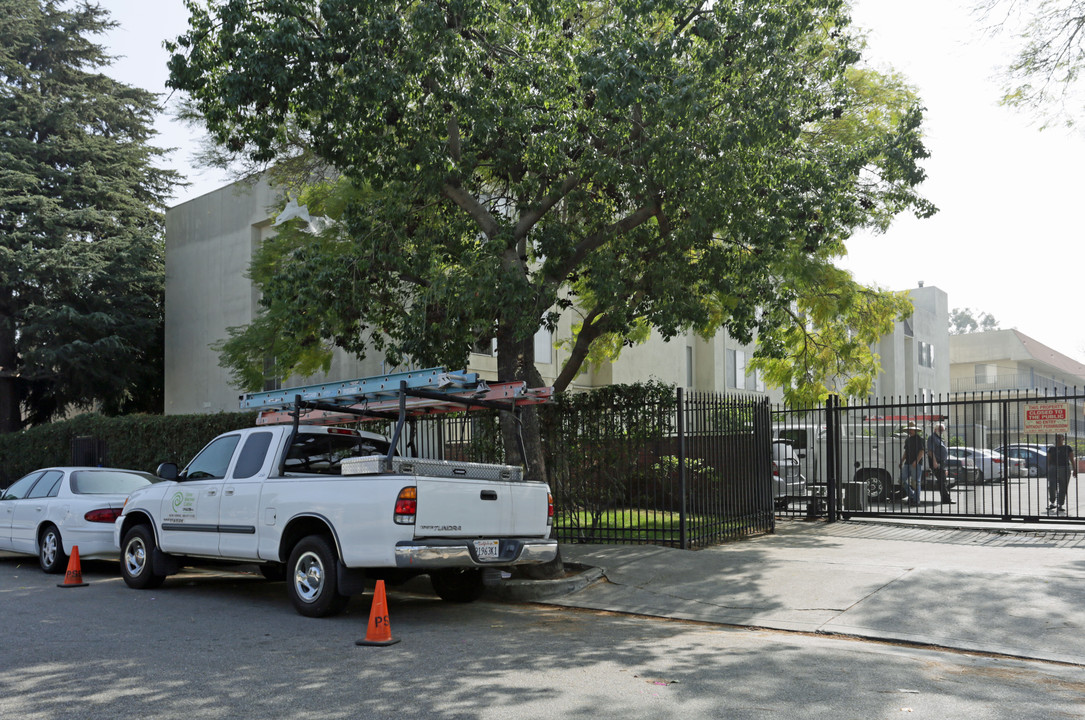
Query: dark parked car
pixel 1033 456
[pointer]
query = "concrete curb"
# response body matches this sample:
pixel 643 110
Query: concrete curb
pixel 577 577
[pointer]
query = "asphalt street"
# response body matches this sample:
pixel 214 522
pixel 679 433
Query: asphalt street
pixel 842 621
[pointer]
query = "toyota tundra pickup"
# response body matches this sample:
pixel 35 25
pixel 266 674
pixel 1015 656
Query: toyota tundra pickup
pixel 330 508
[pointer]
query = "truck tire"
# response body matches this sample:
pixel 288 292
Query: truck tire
pixel 51 554
pixel 311 578
pixel 878 485
pixel 137 569
pixel 459 585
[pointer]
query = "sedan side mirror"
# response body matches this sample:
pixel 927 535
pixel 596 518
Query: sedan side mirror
pixel 167 471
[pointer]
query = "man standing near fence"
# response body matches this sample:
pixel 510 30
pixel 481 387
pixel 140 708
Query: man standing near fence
pixel 937 454
pixel 1060 463
pixel 911 464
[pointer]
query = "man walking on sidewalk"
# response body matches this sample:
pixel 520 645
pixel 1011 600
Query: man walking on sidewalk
pixel 938 453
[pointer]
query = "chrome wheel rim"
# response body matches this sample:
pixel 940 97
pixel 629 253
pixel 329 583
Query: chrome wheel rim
pixel 135 557
pixel 49 548
pixel 308 577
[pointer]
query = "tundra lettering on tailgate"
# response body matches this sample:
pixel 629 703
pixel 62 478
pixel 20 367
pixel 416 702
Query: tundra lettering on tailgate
pixel 441 528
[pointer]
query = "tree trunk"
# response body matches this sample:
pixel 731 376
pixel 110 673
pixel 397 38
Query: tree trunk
pixel 10 417
pixel 516 361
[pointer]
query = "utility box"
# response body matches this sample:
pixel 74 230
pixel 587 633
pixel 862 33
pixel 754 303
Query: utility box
pixel 855 497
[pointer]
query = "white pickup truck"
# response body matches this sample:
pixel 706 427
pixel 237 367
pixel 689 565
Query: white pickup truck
pixel 329 509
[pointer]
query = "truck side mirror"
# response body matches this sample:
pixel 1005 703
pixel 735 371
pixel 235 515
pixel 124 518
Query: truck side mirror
pixel 167 471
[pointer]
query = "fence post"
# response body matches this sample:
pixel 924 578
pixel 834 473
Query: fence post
pixel 832 455
pixel 683 538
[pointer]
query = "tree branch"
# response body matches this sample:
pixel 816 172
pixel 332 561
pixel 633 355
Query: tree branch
pixel 467 202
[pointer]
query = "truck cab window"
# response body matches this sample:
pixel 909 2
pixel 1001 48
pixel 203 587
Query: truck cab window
pixel 252 455
pixel 214 460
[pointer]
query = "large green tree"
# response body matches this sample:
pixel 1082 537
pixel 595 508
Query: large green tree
pixel 661 164
pixel 80 221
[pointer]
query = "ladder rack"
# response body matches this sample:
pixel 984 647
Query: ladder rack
pixel 392 397
pixel 351 392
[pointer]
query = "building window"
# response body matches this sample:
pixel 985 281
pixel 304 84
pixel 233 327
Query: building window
pixel 926 354
pixel 981 373
pixel 544 346
pixel 485 346
pixel 736 369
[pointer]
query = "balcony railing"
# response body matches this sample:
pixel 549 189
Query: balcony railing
pixel 1018 381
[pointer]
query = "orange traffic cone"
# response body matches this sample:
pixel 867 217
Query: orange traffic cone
pixel 74 576
pixel 379 632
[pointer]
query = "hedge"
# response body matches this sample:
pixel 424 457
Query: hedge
pixel 139 442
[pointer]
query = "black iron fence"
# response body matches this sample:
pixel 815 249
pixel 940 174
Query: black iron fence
pixel 997 466
pixel 642 464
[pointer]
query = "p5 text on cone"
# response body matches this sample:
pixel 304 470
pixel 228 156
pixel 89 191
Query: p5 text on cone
pixel 379 631
pixel 74 576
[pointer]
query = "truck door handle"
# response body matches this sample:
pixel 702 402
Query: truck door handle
pixel 229 491
pixel 211 493
pixel 488 495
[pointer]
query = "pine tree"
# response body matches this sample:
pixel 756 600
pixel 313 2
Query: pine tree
pixel 81 255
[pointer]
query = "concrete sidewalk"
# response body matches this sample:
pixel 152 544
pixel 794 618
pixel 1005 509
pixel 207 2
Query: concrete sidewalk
pixel 1010 592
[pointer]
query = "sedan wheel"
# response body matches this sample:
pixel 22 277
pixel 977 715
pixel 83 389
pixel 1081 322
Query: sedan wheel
pixel 51 554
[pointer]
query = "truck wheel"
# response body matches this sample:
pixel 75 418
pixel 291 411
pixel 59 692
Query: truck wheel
pixel 877 486
pixel 51 555
pixel 136 550
pixel 312 581
pixel 460 585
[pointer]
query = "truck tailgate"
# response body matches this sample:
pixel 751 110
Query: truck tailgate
pixel 449 507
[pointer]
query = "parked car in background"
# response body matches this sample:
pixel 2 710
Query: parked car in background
pixel 788 481
pixel 958 470
pixel 990 463
pixel 48 511
pixel 1034 457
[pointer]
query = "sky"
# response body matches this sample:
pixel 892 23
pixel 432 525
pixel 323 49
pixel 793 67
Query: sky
pixel 1007 239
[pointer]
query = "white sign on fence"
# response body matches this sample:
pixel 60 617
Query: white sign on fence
pixel 1048 417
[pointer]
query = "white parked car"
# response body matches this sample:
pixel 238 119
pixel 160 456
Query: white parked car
pixel 787 480
pixel 989 463
pixel 50 510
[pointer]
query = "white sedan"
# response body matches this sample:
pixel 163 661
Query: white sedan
pixel 51 510
pixel 989 463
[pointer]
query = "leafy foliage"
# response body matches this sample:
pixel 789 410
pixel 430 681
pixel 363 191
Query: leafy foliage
pixel 667 165
pixel 822 344
pixel 967 320
pixel 1045 75
pixel 80 222
pixel 139 442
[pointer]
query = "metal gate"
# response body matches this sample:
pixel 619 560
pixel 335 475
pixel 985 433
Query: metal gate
pixel 850 457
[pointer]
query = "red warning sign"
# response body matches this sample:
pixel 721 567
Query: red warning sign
pixel 1047 417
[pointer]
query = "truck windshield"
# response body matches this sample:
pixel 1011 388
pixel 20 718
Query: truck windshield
pixel 323 454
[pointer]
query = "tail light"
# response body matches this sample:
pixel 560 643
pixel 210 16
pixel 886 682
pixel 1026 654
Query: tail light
pixel 102 515
pixel 775 469
pixel 549 509
pixel 406 505
pixel 996 460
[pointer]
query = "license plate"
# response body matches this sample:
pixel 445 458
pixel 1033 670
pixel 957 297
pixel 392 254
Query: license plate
pixel 487 549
